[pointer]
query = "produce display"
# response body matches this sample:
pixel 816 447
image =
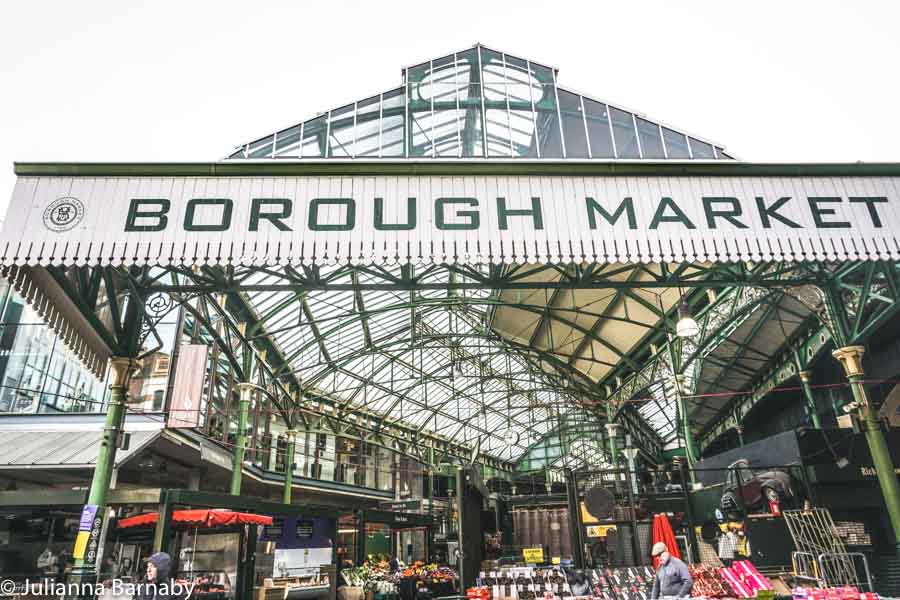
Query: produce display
pixel 834 593
pixel 375 576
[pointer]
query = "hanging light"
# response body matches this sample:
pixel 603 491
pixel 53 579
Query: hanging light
pixel 686 326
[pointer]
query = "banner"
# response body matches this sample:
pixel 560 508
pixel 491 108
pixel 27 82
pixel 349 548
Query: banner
pixel 467 219
pixel 190 373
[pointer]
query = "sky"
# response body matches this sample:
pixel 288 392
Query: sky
pixel 190 80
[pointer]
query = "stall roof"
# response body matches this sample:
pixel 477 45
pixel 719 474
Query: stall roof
pixel 63 449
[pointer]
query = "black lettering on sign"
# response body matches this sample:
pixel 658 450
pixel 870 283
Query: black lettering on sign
pixel 224 217
pixel 535 213
pixel 626 207
pixel 135 212
pixel 818 212
pixel 440 219
pixel 274 217
pixel 380 225
pixel 766 213
pixel 349 214
pixel 729 214
pixel 678 215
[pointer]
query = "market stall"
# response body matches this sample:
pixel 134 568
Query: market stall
pixel 208 538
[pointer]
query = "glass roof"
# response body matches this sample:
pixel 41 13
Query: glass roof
pixel 480 103
pixel 425 358
pixel 442 361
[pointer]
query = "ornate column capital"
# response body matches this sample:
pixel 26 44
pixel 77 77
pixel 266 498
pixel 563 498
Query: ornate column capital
pixel 805 376
pixel 611 428
pixel 291 435
pixel 850 358
pixel 121 369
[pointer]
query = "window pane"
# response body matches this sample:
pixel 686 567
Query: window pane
pixel 288 142
pixel 498 132
pixel 340 140
pixel 314 137
pixel 393 109
pixel 261 148
pixel 598 129
pixel 573 125
pixel 623 129
pixel 676 144
pixel 651 144
pixel 367 127
pixel 701 149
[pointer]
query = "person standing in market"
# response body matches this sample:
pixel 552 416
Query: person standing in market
pixel 728 543
pixel 159 584
pixel 672 576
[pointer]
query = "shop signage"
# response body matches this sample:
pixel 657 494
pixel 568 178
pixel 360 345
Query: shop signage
pixel 88 539
pixel 320 220
pixel 599 530
pixel 402 505
pixel 533 556
pixel 187 390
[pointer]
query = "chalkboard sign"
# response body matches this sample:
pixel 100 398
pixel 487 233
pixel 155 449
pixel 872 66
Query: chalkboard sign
pixel 304 529
pixel 275 530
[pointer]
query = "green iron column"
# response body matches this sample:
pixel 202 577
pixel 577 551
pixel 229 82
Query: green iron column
pixel 690 445
pixel 611 432
pixel 805 377
pixel 240 443
pixel 289 452
pixel 850 358
pixel 121 370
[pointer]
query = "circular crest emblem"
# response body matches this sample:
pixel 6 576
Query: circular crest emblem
pixel 63 214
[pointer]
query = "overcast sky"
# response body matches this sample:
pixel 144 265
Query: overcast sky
pixel 188 81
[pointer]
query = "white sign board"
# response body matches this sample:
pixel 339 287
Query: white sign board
pixel 472 219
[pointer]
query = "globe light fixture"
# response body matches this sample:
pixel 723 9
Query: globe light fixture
pixel 686 326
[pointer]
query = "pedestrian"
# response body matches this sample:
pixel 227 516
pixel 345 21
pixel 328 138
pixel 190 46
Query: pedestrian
pixel 159 583
pixel 728 543
pixel 672 576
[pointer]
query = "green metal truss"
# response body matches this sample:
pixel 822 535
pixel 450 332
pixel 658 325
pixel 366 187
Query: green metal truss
pixel 218 300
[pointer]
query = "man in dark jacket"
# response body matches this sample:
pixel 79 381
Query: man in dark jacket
pixel 672 577
pixel 159 584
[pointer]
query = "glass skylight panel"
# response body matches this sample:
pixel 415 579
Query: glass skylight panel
pixel 701 149
pixel 313 145
pixel 623 131
pixel 599 131
pixel 287 143
pixel 651 143
pixel 676 144
pixel 261 148
pixel 573 125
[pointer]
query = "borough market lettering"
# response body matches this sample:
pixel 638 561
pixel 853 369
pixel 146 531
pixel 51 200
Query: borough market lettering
pixel 464 213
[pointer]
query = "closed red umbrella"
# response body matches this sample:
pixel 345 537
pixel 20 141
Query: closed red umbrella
pixel 662 532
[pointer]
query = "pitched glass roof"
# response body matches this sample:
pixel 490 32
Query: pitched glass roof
pixel 480 103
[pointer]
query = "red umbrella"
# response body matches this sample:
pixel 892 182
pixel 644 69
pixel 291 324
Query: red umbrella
pixel 199 517
pixel 662 532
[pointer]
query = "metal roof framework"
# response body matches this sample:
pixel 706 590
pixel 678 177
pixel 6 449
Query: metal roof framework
pixel 517 365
